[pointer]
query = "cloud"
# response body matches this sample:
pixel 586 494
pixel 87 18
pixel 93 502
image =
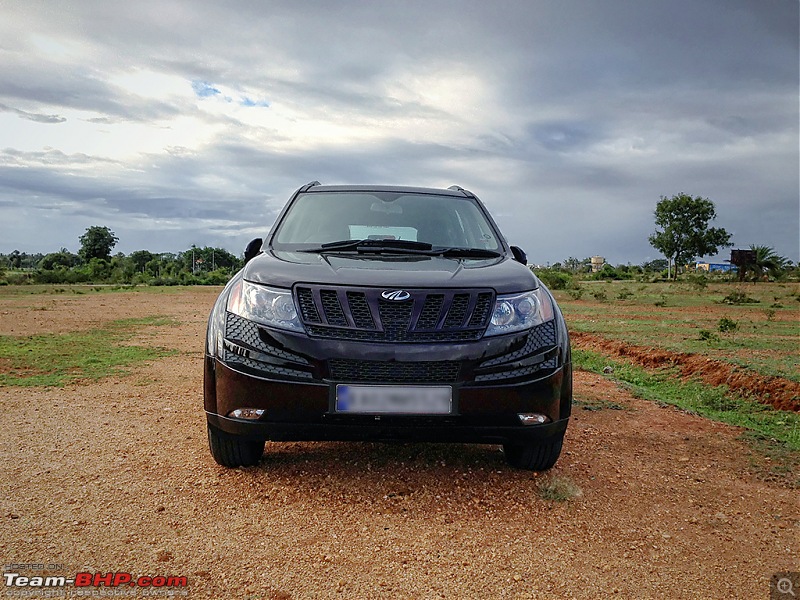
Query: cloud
pixel 38 118
pixel 180 120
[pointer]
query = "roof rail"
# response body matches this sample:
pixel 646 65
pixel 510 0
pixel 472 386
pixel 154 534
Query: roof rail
pixel 458 188
pixel 310 184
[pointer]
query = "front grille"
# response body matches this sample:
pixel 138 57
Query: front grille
pixel 361 314
pixel 457 312
pixel 342 369
pixel 332 308
pixel 362 317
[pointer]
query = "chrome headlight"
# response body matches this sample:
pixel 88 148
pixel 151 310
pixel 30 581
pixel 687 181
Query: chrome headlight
pixel 268 306
pixel 515 312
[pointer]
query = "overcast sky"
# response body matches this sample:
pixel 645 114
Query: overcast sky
pixel 180 123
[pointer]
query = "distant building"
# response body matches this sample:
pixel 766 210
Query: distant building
pixel 716 267
pixel 597 263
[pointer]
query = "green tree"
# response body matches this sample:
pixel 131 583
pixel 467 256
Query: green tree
pixel 768 261
pixel 196 260
pixel 656 265
pixel 682 231
pixel 140 258
pixel 97 242
pixel 62 258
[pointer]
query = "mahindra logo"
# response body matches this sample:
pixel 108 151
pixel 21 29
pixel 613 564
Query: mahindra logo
pixel 398 295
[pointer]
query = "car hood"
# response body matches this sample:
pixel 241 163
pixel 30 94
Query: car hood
pixel 284 269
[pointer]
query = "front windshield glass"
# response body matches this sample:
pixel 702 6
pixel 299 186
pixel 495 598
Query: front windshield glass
pixel 442 221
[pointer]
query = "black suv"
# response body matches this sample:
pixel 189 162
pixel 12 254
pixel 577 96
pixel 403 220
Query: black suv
pixel 386 313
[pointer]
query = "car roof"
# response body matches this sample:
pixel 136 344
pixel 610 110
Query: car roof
pixel 458 192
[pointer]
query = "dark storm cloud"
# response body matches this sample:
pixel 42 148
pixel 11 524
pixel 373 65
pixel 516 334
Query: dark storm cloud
pixel 572 114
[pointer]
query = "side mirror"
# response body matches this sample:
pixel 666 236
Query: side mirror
pixel 519 255
pixel 253 249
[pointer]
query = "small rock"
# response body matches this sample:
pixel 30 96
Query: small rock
pixel 164 556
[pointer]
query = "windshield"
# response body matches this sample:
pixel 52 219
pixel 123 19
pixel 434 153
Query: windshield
pixel 442 221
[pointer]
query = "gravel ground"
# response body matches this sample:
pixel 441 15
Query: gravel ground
pixel 115 475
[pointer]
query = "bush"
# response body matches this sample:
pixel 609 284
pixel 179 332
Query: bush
pixel 739 298
pixel 555 280
pixel 575 293
pixel 726 325
pixel 707 336
pixel 17 278
pixel 624 294
pixel 698 280
pixel 600 296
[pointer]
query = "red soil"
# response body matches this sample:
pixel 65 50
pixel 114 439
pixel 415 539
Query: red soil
pixel 782 393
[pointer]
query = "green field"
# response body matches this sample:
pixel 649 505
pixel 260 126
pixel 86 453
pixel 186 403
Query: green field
pixel 762 334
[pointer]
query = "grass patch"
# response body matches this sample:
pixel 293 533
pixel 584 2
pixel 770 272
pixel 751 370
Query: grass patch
pixel 772 460
pixel 558 488
pixel 598 404
pixel 696 321
pixel 664 386
pixel 54 360
pixel 12 291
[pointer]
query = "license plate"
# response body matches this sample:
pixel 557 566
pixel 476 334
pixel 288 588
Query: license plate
pixel 397 400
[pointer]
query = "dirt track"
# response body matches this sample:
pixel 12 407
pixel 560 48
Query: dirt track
pixel 115 476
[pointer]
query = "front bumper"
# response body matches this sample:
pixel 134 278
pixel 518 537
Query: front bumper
pixel 304 411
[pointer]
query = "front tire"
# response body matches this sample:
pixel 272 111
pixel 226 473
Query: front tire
pixel 534 457
pixel 231 451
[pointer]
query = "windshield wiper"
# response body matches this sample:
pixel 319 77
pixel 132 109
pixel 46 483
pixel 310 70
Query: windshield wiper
pixel 401 246
pixel 464 252
pixel 404 246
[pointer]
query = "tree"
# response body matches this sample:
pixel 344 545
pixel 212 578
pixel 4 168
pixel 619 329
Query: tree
pixel 140 258
pixel 97 242
pixel 62 258
pixel 684 232
pixel 208 259
pixel 767 261
pixel 656 265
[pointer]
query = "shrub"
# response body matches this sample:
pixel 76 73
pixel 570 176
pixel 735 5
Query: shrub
pixel 698 280
pixel 19 278
pixel 707 336
pixel 558 488
pixel 739 298
pixel 555 280
pixel 624 294
pixel 575 293
pixel 600 296
pixel 726 325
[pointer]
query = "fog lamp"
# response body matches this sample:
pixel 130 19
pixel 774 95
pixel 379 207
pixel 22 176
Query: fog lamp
pixel 533 418
pixel 251 414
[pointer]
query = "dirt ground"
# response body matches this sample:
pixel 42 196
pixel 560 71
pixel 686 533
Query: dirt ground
pixel 115 475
